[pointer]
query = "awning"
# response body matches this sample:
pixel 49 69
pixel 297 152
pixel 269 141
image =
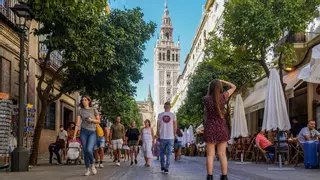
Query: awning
pixel 291 80
pixel 255 100
pixel 200 128
pixel 311 72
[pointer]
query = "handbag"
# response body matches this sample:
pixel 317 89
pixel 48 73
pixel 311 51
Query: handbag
pixel 99 129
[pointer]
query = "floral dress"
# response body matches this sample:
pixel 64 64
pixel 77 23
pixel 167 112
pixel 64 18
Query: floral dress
pixel 215 127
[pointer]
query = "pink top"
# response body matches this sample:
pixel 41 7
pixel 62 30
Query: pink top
pixel 262 141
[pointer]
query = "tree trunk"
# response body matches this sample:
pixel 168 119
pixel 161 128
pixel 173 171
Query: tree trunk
pixel 37 133
pixel 265 67
pixel 280 65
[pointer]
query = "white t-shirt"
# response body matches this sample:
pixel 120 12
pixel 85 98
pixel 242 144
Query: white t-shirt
pixel 166 125
pixel 63 134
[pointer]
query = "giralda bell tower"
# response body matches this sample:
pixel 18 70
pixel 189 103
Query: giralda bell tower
pixel 166 64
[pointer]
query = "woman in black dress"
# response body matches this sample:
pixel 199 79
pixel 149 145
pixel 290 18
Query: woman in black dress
pixel 216 131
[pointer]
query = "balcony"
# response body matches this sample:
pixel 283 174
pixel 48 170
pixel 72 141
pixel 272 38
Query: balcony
pixel 55 57
pixel 5 9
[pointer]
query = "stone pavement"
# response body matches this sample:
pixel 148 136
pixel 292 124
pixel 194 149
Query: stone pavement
pixel 189 168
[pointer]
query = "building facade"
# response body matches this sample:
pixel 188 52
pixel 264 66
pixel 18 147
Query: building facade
pixel 147 110
pixel 210 21
pixel 166 64
pixel 62 111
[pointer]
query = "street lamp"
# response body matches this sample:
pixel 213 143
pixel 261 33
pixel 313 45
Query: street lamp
pixel 20 155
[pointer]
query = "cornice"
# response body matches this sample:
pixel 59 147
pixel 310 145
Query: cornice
pixel 208 5
pixel 10 35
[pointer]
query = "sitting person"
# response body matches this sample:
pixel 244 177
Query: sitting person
pixel 264 143
pixel 54 148
pixel 308 133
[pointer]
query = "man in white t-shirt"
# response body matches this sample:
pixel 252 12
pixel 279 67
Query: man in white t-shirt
pixel 62 139
pixel 166 130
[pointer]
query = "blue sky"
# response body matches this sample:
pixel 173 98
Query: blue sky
pixel 185 16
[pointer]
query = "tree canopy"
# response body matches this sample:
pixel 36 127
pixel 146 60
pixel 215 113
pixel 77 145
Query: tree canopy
pixel 101 53
pixel 263 28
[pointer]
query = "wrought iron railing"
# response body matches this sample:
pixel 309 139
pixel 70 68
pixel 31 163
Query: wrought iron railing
pixel 5 9
pixel 55 56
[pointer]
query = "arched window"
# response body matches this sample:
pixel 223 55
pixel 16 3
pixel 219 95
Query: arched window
pixel 177 58
pixel 159 56
pixel 172 57
pixel 167 36
pixel 163 56
pixel 168 55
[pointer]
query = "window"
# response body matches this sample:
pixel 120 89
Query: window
pixel 159 56
pixel 168 75
pixel 216 7
pixel 3 3
pixel 168 83
pixel 168 91
pixel 168 55
pixel 167 36
pixel 172 57
pixel 163 56
pixel 193 57
pixel 298 105
pixel 177 57
pixel 260 119
pixel 50 121
pixel 205 34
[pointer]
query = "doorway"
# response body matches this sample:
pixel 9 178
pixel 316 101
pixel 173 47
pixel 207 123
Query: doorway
pixel 67 117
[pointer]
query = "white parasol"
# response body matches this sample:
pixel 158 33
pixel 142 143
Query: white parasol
pixel 239 126
pixel 239 123
pixel 190 135
pixel 275 112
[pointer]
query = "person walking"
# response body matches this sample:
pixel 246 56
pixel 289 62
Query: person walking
pixel 156 147
pixel 133 138
pixel 62 139
pixel 100 145
pixel 147 135
pixel 89 117
pixel 166 129
pixel 54 148
pixel 117 136
pixel 178 145
pixel 216 131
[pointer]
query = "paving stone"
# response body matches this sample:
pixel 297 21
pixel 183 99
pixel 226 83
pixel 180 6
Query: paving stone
pixel 189 168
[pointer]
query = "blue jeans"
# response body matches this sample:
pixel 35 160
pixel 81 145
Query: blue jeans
pixel 88 139
pixel 166 145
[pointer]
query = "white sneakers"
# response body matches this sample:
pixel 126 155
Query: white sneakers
pixel 99 165
pixel 118 163
pixel 93 169
pixel 87 172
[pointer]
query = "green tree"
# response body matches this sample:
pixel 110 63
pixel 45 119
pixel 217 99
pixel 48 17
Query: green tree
pixel 221 62
pixel 95 49
pixel 121 105
pixel 261 27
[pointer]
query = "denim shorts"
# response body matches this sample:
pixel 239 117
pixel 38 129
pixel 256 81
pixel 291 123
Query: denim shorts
pixel 101 143
pixel 178 144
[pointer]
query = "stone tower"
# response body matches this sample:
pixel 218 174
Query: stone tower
pixel 166 64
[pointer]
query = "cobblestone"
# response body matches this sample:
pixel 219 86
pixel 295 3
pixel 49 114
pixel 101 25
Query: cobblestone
pixel 189 168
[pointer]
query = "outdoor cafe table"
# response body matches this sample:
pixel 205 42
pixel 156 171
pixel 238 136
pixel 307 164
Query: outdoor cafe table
pixel 292 148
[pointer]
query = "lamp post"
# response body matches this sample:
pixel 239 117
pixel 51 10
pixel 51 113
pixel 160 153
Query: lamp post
pixel 20 155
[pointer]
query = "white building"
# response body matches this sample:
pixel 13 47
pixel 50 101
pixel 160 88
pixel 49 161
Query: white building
pixel 166 64
pixel 210 21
